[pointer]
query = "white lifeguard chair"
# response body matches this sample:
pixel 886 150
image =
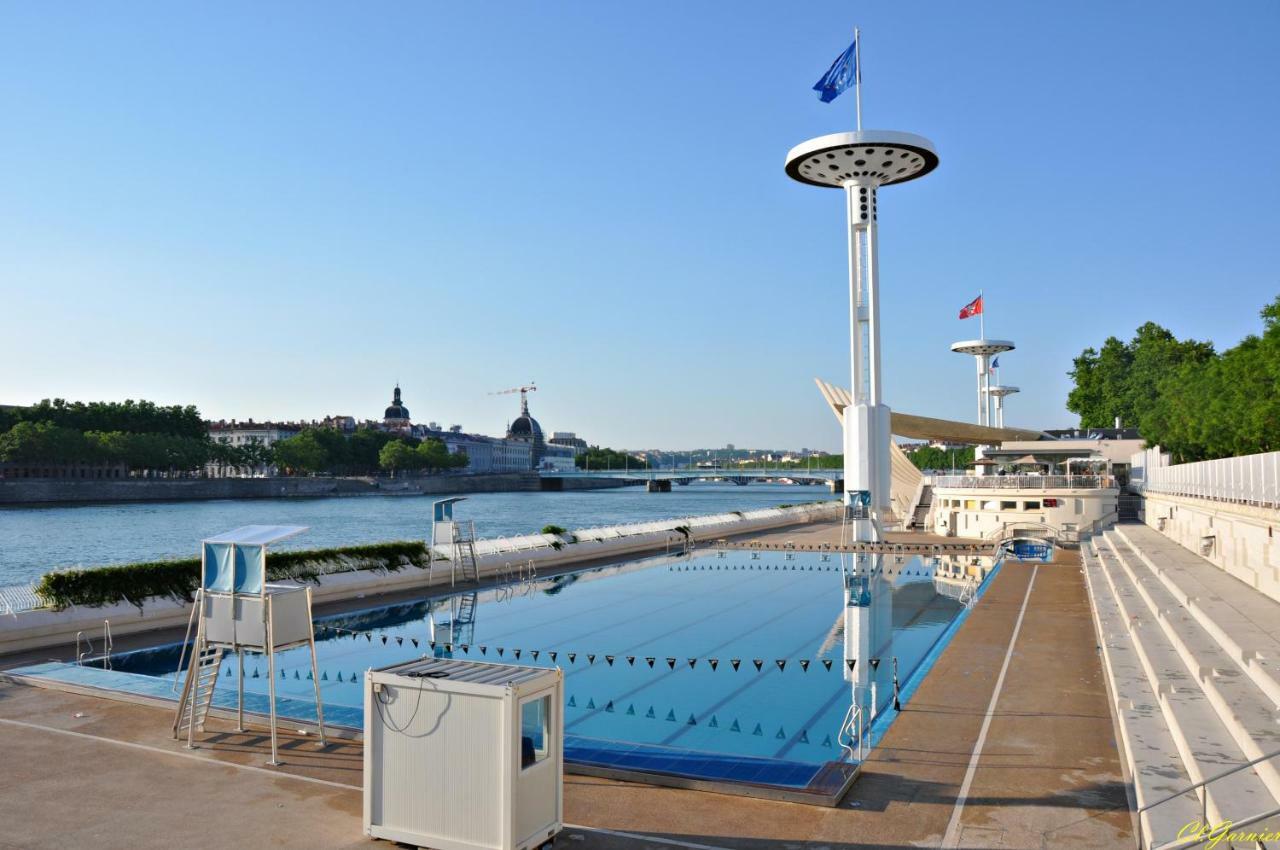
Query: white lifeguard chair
pixel 237 610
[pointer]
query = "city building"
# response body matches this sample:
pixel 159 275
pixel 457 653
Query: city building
pixel 523 449
pixel 240 434
pixel 568 438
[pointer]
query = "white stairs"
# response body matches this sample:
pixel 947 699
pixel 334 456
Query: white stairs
pixel 1192 667
pixel 197 692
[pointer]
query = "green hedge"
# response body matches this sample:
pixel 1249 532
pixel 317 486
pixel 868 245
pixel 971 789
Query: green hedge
pixel 135 583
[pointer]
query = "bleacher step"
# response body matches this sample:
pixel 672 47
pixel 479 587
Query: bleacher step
pixel 1203 741
pixel 1154 765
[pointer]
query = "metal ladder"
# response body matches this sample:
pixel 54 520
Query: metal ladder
pixel 197 692
pixel 849 737
pixel 464 552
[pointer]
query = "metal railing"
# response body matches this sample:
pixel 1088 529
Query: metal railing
pixel 1203 796
pixel 851 729
pixel 1023 482
pixel 1250 480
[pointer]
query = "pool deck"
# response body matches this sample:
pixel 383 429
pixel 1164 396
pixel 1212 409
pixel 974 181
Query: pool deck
pixel 82 770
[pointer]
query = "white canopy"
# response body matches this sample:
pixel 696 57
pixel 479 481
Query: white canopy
pixel 256 535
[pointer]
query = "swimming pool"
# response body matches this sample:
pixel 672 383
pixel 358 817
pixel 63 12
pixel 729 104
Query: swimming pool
pixel 725 666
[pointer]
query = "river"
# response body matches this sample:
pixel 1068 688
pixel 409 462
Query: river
pixel 35 540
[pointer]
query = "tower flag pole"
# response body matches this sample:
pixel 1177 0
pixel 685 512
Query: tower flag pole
pixel 857 72
pixel 982 316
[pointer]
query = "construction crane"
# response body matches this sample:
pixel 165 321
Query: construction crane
pixel 524 401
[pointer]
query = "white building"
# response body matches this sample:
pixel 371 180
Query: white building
pixel 239 434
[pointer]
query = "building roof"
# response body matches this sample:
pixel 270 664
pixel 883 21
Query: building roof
pixel 928 428
pixel 396 410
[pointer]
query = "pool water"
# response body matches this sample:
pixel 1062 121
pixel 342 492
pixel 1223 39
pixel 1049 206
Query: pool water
pixel 725 665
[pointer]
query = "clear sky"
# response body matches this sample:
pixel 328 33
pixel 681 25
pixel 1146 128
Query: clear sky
pixel 278 210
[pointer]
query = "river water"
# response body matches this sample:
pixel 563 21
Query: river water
pixel 34 541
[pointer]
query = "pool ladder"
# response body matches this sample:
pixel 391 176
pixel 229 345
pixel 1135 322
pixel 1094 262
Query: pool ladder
pixel 850 735
pixel 86 654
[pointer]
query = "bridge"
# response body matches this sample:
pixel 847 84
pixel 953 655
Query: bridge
pixel 660 480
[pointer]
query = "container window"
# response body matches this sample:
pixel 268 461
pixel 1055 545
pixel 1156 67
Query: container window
pixel 1032 506
pixel 1008 506
pixel 535 732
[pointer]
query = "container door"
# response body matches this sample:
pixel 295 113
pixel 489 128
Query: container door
pixel 538 780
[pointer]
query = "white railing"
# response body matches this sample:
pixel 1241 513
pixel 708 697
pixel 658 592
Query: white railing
pixel 1023 482
pixel 17 598
pixel 1247 480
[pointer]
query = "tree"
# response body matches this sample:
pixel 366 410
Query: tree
pixel 1181 394
pixel 928 457
pixel 434 455
pixel 598 458
pixel 301 453
pixel 398 455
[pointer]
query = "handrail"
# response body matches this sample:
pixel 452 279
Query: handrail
pixel 191 619
pixel 1023 482
pixel 81 655
pixel 1200 838
pixel 851 726
pixel 1202 787
pixel 107 644
pixel 1204 782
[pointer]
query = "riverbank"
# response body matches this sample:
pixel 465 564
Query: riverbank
pixel 57 491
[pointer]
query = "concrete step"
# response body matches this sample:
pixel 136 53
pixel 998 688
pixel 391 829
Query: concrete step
pixel 1203 742
pixel 1243 621
pixel 1248 714
pixel 1155 767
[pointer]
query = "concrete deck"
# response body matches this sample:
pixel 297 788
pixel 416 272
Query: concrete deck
pixel 83 771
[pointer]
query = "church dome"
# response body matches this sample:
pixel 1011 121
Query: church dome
pixel 397 410
pixel 525 427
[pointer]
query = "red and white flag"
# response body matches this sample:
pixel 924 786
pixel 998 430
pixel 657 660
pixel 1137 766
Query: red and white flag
pixel 971 309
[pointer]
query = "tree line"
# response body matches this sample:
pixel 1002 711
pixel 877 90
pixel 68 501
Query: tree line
pixel 1182 395
pixel 143 436
pixel 605 459
pixel 366 451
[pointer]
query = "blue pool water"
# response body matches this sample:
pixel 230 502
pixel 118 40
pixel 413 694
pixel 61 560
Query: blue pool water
pixel 722 666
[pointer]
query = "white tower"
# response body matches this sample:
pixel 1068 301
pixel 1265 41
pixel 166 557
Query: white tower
pixel 860 163
pixel 998 393
pixel 983 350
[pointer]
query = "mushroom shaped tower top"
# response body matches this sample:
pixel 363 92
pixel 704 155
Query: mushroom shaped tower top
pixel 1002 391
pixel 982 346
pixel 865 157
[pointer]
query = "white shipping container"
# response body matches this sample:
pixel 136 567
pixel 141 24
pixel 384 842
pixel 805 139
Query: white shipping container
pixel 464 755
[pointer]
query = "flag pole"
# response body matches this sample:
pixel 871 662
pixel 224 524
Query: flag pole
pixel 982 316
pixel 857 72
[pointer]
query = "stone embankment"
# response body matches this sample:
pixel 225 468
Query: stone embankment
pixel 28 630
pixel 45 491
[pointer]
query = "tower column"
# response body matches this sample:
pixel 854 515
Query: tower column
pixel 860 163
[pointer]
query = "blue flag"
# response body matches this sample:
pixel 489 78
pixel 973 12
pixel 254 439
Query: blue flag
pixel 995 363
pixel 842 74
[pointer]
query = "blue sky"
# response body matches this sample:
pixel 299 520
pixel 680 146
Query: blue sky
pixel 279 210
